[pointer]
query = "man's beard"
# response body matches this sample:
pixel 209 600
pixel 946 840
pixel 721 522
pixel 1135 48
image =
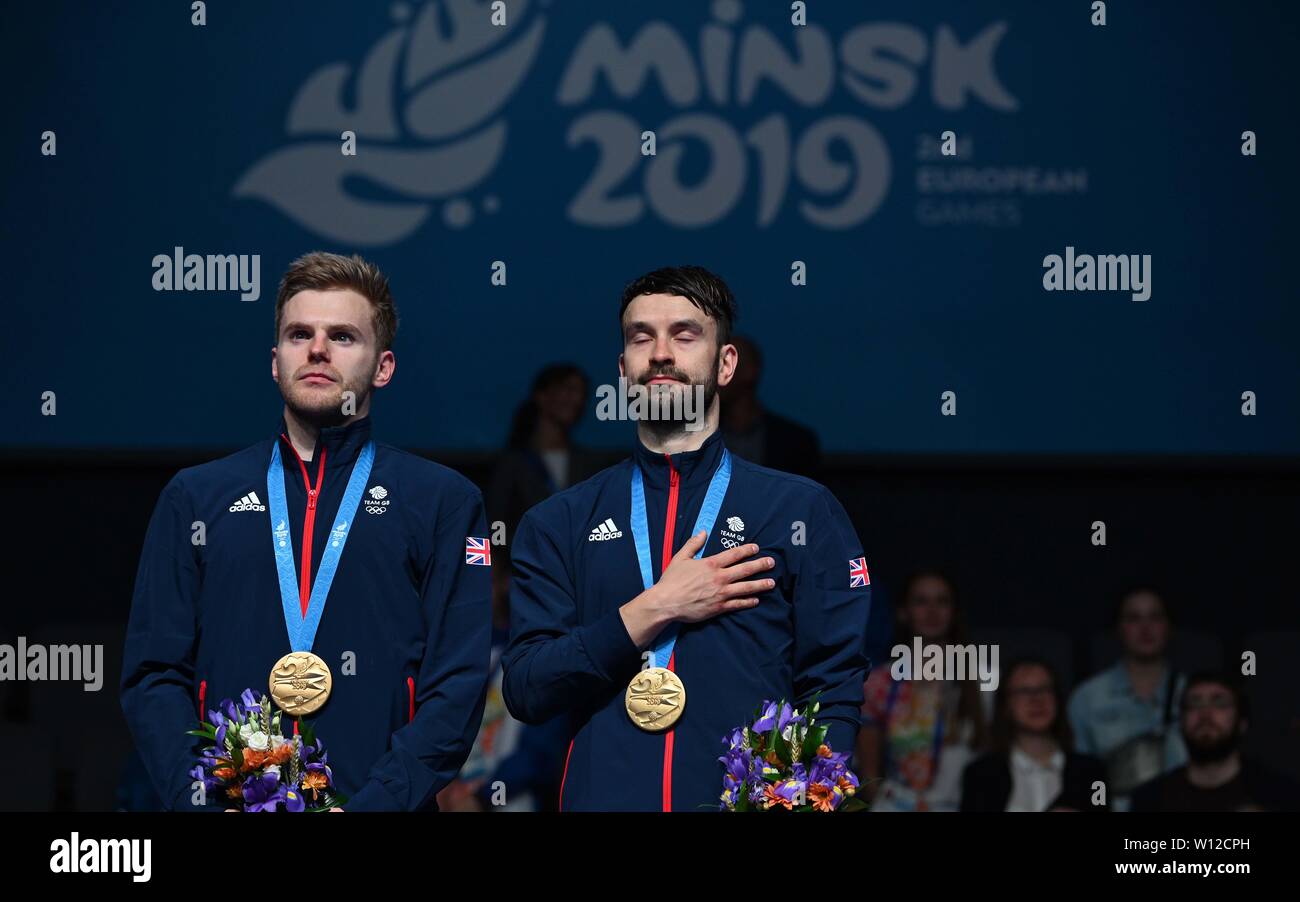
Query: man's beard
pixel 317 408
pixel 667 426
pixel 1212 751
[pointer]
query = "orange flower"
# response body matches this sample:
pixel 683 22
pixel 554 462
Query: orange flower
pixel 281 755
pixel 770 799
pixel 253 759
pixel 235 792
pixel 824 751
pixel 313 781
pixel 822 797
pixel 845 786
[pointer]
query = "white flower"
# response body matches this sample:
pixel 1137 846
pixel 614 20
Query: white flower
pixel 258 740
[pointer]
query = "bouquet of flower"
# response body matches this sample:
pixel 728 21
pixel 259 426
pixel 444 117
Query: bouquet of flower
pixel 781 762
pixel 255 767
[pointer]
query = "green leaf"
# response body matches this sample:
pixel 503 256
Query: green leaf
pixel 783 750
pixel 816 737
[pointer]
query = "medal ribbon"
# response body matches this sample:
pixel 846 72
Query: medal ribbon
pixel 302 629
pixel 663 647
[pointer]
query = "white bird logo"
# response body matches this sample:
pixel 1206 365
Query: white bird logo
pixel 436 148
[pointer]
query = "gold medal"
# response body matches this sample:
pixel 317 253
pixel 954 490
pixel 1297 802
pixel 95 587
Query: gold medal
pixel 300 683
pixel 655 699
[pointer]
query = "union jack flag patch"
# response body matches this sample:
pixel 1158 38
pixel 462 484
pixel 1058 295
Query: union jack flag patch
pixel 478 551
pixel 858 575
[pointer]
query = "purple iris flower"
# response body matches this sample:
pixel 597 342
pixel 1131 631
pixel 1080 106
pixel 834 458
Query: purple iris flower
pixel 262 793
pixel 766 719
pixel 250 702
pixel 739 764
pixel 209 782
pixel 293 801
pixel 774 715
pixel 736 738
pixel 823 770
pixel 215 718
pixel 231 711
pixel 792 791
pixel 314 752
pixel 788 717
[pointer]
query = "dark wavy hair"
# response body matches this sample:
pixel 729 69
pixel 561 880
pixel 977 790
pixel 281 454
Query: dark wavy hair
pixel 695 283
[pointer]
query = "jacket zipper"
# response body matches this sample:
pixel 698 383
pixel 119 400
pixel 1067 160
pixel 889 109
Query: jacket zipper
pixel 565 776
pixel 410 693
pixel 670 519
pixel 308 523
pixel 203 694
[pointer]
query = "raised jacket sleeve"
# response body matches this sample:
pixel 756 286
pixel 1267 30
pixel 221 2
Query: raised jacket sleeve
pixel 552 663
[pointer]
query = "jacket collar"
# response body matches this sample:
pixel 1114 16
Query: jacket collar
pixel 694 468
pixel 342 444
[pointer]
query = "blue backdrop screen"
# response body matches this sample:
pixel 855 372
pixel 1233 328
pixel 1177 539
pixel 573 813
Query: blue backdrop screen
pixel 780 149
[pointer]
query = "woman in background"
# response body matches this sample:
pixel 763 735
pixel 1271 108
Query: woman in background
pixel 918 736
pixel 1032 766
pixel 540 458
pixel 515 766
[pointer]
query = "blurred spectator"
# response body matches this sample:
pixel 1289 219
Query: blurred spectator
pixel 1031 766
pixel 1214 719
pixel 918 735
pixel 1125 715
pixel 757 434
pixel 523 762
pixel 540 459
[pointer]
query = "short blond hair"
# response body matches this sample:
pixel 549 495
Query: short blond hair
pixel 320 271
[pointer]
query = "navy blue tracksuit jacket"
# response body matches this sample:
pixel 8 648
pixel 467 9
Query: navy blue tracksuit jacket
pixel 207 621
pixel 571 654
